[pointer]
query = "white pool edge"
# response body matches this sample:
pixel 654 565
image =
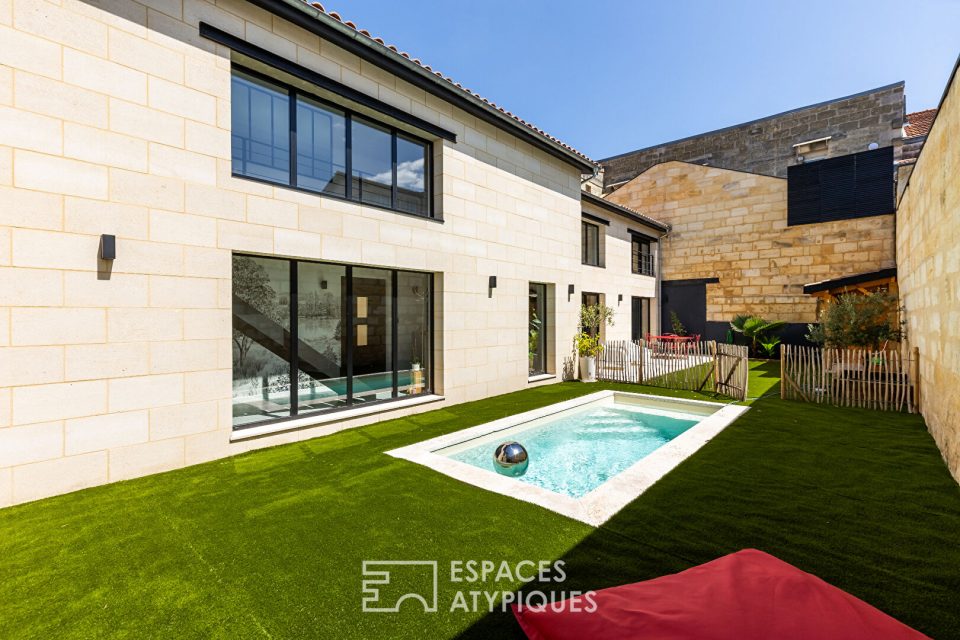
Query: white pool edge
pixel 602 503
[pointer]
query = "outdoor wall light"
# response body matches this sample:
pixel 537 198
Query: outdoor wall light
pixel 619 298
pixel 108 247
pixel 570 290
pixel 493 282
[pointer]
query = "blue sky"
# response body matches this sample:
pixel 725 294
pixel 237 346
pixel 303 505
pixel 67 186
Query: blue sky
pixel 608 77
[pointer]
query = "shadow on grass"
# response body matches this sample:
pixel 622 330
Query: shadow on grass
pixel 859 498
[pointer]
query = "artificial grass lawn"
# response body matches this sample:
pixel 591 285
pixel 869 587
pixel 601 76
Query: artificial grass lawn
pixel 270 543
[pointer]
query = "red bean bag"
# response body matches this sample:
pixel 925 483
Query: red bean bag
pixel 743 596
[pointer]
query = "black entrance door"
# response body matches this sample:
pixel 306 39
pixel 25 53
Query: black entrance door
pixel 688 299
pixel 639 318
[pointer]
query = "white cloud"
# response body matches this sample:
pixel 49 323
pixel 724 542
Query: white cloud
pixel 409 175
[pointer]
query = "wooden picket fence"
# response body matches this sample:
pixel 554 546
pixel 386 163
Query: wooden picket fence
pixel 885 380
pixel 691 366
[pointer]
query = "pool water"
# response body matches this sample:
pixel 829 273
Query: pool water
pixel 575 453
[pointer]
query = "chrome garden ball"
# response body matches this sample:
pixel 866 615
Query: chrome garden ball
pixel 510 459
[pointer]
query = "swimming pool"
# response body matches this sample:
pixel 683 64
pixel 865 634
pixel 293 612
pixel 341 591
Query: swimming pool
pixel 588 457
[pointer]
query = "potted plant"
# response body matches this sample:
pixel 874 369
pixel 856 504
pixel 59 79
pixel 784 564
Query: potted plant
pixel 588 348
pixel 587 341
pixel 415 363
pixel 676 325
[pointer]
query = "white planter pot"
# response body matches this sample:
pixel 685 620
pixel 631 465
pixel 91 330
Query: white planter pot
pixel 588 369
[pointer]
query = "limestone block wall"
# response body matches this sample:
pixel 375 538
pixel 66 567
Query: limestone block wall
pixel 616 277
pixel 733 226
pixel 765 146
pixel 115 118
pixel 928 271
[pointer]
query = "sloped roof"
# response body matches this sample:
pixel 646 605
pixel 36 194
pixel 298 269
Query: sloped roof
pixel 626 212
pixel 391 51
pixel 918 123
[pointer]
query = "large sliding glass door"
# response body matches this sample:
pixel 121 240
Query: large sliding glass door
pixel 346 335
pixel 261 339
pixel 372 334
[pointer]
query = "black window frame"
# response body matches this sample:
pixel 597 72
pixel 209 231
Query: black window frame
pixel 544 327
pixel 584 224
pixel 294 364
pixel 291 183
pixel 637 265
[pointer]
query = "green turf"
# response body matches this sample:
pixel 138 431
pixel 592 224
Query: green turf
pixel 270 543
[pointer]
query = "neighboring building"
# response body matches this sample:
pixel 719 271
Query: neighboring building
pixel 734 247
pixel 928 261
pixel 916 126
pixel 759 210
pixel 313 232
pixel 768 146
pixel 915 130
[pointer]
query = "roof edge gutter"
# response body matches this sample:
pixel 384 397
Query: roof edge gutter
pixel 318 23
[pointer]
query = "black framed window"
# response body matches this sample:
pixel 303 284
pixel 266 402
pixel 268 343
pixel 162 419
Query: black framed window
pixel 641 258
pixel 590 244
pixel 260 129
pixel 321 148
pixel 371 176
pixel 312 337
pixel 412 176
pixel 285 136
pixel 537 327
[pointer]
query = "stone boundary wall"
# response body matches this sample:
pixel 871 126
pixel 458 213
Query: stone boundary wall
pixel 928 266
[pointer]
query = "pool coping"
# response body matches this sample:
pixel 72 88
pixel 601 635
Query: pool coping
pixel 602 503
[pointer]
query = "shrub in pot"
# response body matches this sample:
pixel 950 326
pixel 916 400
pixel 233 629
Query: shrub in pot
pixel 587 341
pixel 588 348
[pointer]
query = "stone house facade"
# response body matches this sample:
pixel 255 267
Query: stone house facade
pixel 730 233
pixel 769 145
pixel 400 279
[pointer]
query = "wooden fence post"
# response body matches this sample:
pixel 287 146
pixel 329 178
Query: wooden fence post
pixel 643 355
pixel 915 374
pixel 783 355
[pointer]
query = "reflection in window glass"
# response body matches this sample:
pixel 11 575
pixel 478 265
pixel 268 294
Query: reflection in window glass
pixel 537 329
pixel 261 339
pixel 411 176
pixel 373 339
pixel 413 335
pixel 322 347
pixel 590 244
pixel 386 346
pixel 372 167
pixel 260 129
pixel 321 148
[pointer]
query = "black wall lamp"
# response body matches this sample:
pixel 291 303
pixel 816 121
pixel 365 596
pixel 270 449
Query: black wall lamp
pixel 619 298
pixel 570 290
pixel 108 247
pixel 492 285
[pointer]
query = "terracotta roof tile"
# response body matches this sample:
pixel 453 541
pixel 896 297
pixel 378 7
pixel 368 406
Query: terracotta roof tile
pixel 919 123
pixel 393 49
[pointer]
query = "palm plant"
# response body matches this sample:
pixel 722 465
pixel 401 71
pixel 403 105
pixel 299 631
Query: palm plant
pixel 756 330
